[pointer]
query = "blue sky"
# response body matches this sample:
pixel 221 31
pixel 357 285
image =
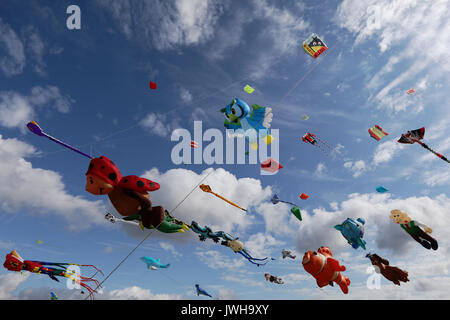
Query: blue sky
pixel 89 88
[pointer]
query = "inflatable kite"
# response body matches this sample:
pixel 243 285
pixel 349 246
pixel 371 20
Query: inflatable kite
pixel 271 165
pixel 377 132
pixel 304 196
pixel 153 264
pixel 325 269
pixel 314 46
pixel 415 136
pixel 238 116
pixel 286 253
pixel 200 291
pixel 207 189
pixel 169 225
pixel 206 233
pixel 129 195
pixel 295 210
pixel 414 229
pixel 393 274
pixel 14 262
pixel 353 231
pixel 381 189
pixel 273 279
pixel 314 140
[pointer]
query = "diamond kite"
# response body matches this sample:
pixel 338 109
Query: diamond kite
pixel 314 46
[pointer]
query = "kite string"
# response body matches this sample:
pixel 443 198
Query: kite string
pixel 148 235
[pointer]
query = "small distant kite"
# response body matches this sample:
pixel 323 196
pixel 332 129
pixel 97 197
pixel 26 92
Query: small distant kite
pixel 381 189
pixel 200 291
pixel 153 85
pixel 411 91
pixel 305 117
pixel 377 133
pixel 287 253
pixel 304 196
pixel 248 89
pixel 273 279
pixel 271 165
pixel 53 296
pixel 194 144
pixel 314 46
pixel 313 139
pixel 415 136
pixel 39 242
pixel 295 210
pixel 207 189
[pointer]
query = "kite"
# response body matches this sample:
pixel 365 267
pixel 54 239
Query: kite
pixel 393 274
pixel 153 85
pixel 169 225
pixel 414 229
pixel 415 136
pixel 53 296
pixel 305 117
pixel 353 231
pixel 194 144
pixel 271 165
pixel 304 196
pixel 314 46
pixel 14 262
pixel 207 189
pixel 273 279
pixel 312 139
pixel 325 269
pixel 200 291
pixel 286 253
pixel 377 132
pixel 129 195
pixel 295 209
pixel 238 116
pixel 153 264
pixel 411 91
pixel 248 89
pixel 381 189
pixel 206 233
pixel 39 242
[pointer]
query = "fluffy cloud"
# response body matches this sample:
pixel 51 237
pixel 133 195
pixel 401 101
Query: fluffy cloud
pixel 11 50
pixel 9 283
pixel 357 167
pixel 17 109
pixel 23 192
pixel 159 124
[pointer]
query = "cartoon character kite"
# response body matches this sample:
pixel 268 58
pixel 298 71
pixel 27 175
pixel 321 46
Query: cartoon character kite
pixel 129 195
pixel 207 189
pixel 14 262
pixel 393 274
pixel 353 231
pixel 414 229
pixel 273 279
pixel 314 46
pixel 238 116
pixel 415 136
pixel 325 269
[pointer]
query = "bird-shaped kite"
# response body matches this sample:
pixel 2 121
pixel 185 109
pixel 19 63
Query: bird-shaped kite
pixel 207 189
pixel 415 136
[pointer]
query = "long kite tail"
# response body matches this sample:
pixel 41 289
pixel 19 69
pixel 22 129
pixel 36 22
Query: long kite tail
pixel 436 153
pixel 323 150
pixel 324 143
pixel 226 200
pixel 252 260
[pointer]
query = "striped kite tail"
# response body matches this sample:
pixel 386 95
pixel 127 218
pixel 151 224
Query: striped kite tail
pixel 324 143
pixel 436 153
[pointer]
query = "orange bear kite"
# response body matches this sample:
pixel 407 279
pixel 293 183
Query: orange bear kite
pixel 322 266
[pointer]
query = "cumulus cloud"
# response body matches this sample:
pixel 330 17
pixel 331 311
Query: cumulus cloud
pixel 23 192
pixel 357 167
pixel 9 283
pixel 17 109
pixel 385 152
pixel 159 124
pixel 11 50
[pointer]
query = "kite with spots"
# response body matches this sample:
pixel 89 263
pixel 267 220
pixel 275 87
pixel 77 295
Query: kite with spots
pixel 129 195
pixel 415 136
pixel 14 262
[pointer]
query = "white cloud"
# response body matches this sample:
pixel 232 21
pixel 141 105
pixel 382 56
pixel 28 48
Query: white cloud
pixel 357 167
pixel 170 248
pixel 9 283
pixel 261 245
pixel 17 109
pixel 386 151
pixel 218 261
pixel 159 124
pixel 185 95
pixel 11 50
pixel 24 190
pixel 226 294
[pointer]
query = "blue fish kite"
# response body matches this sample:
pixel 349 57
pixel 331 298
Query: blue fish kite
pixel 201 291
pixel 353 231
pixel 154 263
pixel 381 189
pixel 238 116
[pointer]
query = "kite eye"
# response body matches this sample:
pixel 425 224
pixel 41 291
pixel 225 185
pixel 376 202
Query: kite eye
pixel 233 111
pixel 315 253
